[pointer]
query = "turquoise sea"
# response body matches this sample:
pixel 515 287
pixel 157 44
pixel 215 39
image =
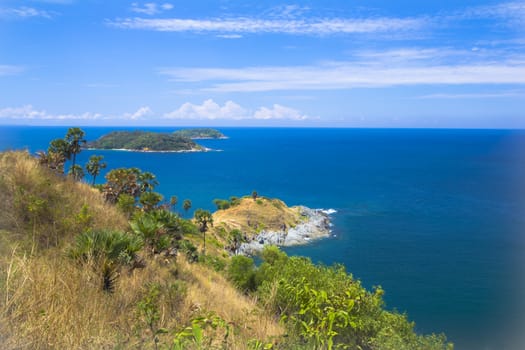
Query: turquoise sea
pixel 436 217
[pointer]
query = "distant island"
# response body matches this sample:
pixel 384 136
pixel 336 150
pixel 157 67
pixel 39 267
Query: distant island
pixel 145 141
pixel 200 133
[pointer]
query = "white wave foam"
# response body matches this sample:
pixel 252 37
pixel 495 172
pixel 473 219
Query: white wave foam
pixel 329 211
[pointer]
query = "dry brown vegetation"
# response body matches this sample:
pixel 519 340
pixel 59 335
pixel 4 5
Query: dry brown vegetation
pixel 251 216
pixel 47 301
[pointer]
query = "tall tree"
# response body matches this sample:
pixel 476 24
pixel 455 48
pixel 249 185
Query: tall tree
pixel 147 181
pixel 77 172
pixel 94 165
pixel 173 201
pixel 186 205
pixel 203 219
pixel 75 139
pixel 57 154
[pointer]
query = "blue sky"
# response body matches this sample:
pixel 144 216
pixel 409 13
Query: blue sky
pixel 263 63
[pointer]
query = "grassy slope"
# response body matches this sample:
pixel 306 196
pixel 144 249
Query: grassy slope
pixel 46 301
pixel 251 216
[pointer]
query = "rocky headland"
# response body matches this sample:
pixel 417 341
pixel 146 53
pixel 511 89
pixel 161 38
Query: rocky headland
pixel 264 221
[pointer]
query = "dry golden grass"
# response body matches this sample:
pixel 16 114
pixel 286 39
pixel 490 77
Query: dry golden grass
pixel 250 216
pixel 49 302
pixel 36 202
pixel 208 290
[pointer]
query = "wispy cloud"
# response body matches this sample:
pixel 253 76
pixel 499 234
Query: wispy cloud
pixel 230 36
pixel 503 94
pixel 244 25
pixel 512 9
pixel 10 70
pixel 24 12
pixel 60 2
pixel 346 75
pixel 151 8
pixel 210 110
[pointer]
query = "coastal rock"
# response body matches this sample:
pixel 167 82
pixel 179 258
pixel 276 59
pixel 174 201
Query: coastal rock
pixel 316 225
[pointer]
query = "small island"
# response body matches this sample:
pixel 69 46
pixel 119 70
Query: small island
pixel 200 133
pixel 263 221
pixel 145 141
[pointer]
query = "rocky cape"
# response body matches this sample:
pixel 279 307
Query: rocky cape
pixel 316 225
pixel 266 221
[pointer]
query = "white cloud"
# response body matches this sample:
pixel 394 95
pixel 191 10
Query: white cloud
pixel 28 112
pixel 350 74
pixel 210 110
pixel 284 26
pixel 23 12
pixel 279 112
pixel 10 70
pixel 230 36
pixel 138 114
pixel 151 8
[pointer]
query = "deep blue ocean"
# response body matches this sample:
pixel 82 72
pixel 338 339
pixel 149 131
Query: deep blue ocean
pixel 436 217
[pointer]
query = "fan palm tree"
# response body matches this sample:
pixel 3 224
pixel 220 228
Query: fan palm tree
pixel 203 219
pixel 94 165
pixel 106 251
pixel 74 139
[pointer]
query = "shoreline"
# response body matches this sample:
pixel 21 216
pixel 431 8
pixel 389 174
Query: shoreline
pixel 317 226
pixel 210 138
pixel 193 150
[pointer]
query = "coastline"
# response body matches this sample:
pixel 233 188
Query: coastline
pixel 193 150
pixel 317 225
pixel 210 138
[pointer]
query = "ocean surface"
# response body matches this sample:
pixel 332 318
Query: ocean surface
pixel 436 217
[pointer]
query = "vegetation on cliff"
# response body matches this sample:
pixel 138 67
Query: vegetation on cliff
pixel 115 266
pixel 144 141
pixel 200 133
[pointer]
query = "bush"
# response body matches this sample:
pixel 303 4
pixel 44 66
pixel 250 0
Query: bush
pixel 189 249
pixel 324 306
pixel 242 273
pixel 221 204
pixel 106 251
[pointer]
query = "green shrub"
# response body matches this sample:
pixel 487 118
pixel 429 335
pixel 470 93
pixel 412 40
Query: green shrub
pixel 106 251
pixel 189 249
pixel 242 273
pixel 221 204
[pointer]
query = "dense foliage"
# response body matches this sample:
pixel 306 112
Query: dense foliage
pixel 324 307
pixel 200 133
pixel 142 140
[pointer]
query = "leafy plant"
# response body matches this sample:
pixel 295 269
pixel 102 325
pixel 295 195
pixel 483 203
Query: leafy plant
pixel 106 251
pixel 195 336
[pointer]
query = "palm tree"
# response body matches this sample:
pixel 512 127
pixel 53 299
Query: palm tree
pixel 57 154
pixel 147 181
pixel 203 218
pixel 94 165
pixel 153 231
pixel 76 172
pixel 74 139
pixel 186 205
